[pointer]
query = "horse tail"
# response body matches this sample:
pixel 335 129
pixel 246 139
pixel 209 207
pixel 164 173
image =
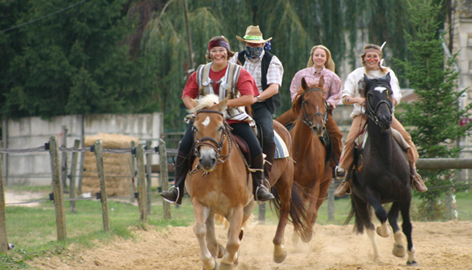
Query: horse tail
pixel 361 211
pixel 298 211
pixel 297 214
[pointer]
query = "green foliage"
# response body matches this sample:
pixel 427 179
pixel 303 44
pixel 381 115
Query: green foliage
pixel 73 62
pixel 435 116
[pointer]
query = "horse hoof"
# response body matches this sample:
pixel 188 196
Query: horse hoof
pixel 224 266
pixel 412 263
pixel 399 250
pixel 280 258
pixel 307 237
pixel 383 232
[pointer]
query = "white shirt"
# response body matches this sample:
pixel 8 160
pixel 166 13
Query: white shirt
pixel 275 71
pixel 356 79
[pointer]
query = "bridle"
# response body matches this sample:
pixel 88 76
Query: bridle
pixel 212 143
pixel 308 120
pixel 372 112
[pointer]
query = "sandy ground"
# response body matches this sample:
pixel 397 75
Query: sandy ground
pixel 19 198
pixel 439 245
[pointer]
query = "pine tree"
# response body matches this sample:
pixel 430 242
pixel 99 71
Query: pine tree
pixel 434 118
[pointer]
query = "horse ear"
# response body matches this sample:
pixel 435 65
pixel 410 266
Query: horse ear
pixel 321 82
pixel 387 77
pixel 366 79
pixel 222 104
pixel 304 84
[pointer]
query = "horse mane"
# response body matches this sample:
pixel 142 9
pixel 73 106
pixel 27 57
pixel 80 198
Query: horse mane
pixel 206 102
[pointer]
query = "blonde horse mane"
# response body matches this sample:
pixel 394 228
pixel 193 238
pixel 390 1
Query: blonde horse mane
pixel 206 102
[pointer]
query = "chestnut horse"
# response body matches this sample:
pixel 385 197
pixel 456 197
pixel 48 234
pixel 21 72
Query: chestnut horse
pixel 221 184
pixel 312 167
pixel 382 174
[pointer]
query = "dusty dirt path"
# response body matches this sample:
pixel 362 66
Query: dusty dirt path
pixel 439 245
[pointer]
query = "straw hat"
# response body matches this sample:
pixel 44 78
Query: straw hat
pixel 253 35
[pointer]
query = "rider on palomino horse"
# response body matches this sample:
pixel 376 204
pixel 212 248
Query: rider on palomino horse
pixel 223 79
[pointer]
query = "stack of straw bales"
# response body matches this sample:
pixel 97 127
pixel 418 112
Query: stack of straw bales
pixel 117 167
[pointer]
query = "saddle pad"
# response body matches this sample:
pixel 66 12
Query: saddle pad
pixel 281 150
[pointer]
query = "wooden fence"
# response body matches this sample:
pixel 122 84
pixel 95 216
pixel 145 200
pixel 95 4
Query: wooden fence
pixel 144 182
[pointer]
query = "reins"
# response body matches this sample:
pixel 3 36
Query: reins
pixel 308 121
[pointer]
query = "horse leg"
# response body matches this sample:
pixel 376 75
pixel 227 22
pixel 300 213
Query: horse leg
pixel 232 246
pixel 363 220
pixel 372 197
pixel 285 194
pixel 407 229
pixel 214 247
pixel 312 213
pixel 399 249
pixel 200 229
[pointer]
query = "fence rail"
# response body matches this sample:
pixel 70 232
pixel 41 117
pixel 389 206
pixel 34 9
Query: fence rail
pixel 143 171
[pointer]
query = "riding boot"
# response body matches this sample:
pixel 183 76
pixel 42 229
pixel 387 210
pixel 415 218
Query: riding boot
pixel 269 159
pixel 176 193
pixel 261 188
pixel 345 185
pixel 416 180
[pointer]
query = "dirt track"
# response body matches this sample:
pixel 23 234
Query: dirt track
pixel 438 245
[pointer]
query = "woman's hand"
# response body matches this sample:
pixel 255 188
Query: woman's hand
pixel 360 101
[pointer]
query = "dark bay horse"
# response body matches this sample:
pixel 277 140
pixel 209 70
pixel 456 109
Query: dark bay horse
pixel 312 168
pixel 221 184
pixel 382 174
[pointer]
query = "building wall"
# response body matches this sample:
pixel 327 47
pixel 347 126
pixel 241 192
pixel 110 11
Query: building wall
pixel 34 168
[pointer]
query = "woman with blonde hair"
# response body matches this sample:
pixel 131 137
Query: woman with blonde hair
pixel 320 64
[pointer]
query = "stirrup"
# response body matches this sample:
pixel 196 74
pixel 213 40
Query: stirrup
pixel 169 200
pixel 339 173
pixel 270 195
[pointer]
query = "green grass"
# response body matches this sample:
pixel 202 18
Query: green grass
pixel 33 229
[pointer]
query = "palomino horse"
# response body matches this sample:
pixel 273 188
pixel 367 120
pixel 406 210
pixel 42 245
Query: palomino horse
pixel 312 168
pixel 382 174
pixel 224 187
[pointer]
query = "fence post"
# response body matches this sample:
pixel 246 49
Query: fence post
pixel 148 176
pixel 164 176
pixel 331 189
pixel 141 182
pixel 58 192
pixel 73 176
pixel 103 186
pixel 64 158
pixel 132 187
pixel 81 167
pixel 3 220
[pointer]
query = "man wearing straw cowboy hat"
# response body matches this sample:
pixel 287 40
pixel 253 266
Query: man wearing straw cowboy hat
pixel 267 71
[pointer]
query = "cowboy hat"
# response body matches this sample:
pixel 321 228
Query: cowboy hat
pixel 253 35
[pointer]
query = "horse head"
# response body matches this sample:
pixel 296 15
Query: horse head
pixel 310 106
pixel 210 130
pixel 379 101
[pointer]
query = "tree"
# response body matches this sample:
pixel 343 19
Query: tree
pixel 73 62
pixel 434 118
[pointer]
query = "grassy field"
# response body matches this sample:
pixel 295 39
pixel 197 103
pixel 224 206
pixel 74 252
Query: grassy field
pixel 33 230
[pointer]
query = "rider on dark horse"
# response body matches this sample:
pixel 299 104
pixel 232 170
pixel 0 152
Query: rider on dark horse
pixel 352 94
pixel 267 71
pixel 221 78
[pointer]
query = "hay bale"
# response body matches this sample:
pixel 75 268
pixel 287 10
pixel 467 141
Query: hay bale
pixel 117 166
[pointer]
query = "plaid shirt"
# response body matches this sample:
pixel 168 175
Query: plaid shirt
pixel 332 83
pixel 274 73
